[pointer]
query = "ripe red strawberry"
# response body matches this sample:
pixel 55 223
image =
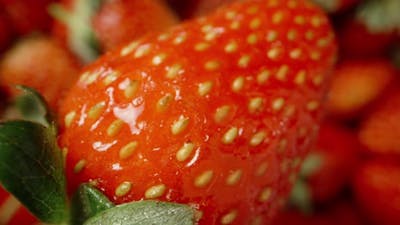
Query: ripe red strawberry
pixel 217 106
pixel 12 212
pixel 380 130
pixel 89 28
pixel 377 189
pixel 333 6
pixel 27 16
pixel 330 167
pixel 357 83
pixel 42 64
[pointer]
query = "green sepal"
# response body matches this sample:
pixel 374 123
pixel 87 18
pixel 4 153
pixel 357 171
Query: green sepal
pixel 86 203
pixel 146 213
pixel 300 197
pixel 31 168
pixel 81 37
pixel 380 16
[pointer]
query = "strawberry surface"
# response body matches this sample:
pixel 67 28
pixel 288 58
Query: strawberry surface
pixel 216 113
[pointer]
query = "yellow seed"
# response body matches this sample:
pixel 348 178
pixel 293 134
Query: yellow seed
pixel 79 166
pixel 127 151
pixel 123 189
pixel 92 77
pixel 278 104
pixel 274 53
pixel 230 15
pixel 204 179
pixel 252 39
pixel 255 104
pixel 292 4
pixel 205 88
pixel 316 21
pixel 69 118
pixel 244 61
pixel 179 39
pixel 230 136
pixel 262 168
pixel 265 195
pixel 252 9
pixel 238 84
pixel 282 72
pixel 323 42
pixel 300 77
pixel 210 35
pixel 295 53
pixel 312 105
pixel 174 71
pixel 229 217
pixel 300 20
pixel 185 152
pixel 315 56
pixel 231 47
pixel 277 17
pixel 142 51
pixel 272 36
pixel 263 76
pixel 129 48
pixel 309 35
pixel 221 113
pixel 289 110
pixel 180 125
pixel 258 138
pixel 163 102
pixel 131 89
pixel 110 78
pixel 158 59
pixel 234 177
pixel 212 65
pixel 206 28
pixel 291 35
pixel 235 25
pixel 115 127
pixel 163 37
pixel 255 23
pixel 155 191
pixel 95 112
pixel 317 80
pixel 282 145
pixel 201 46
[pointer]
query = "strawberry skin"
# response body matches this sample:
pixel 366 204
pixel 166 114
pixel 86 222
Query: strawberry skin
pixel 12 212
pixel 217 106
pixel 6 32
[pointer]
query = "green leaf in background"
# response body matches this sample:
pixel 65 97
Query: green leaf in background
pixel 146 213
pixel 31 168
pixel 86 203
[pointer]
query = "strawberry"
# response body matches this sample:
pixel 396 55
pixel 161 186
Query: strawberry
pixel 377 190
pixel 6 32
pixel 357 83
pixel 161 119
pixel 89 28
pixel 329 168
pixel 27 16
pixel 198 8
pixel 334 6
pixel 42 64
pixel 380 130
pixel 12 212
pixel 342 212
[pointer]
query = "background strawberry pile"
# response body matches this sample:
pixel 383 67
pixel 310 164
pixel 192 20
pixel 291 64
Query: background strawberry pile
pixel 353 174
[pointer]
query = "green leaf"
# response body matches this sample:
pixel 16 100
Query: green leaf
pixel 81 37
pixel 86 203
pixel 28 104
pixel 380 16
pixel 146 213
pixel 31 168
